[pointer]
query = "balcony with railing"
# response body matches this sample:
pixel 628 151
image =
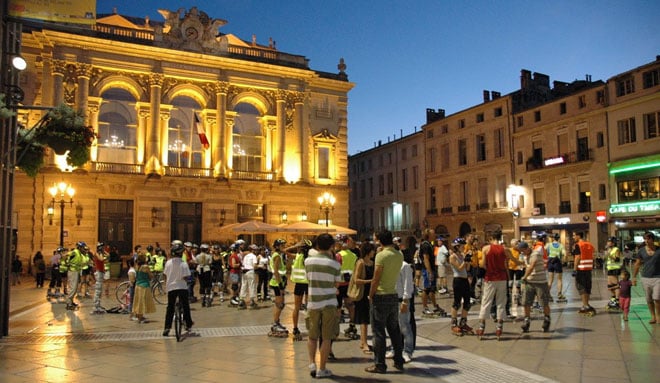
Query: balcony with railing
pixel 447 210
pixel 432 211
pixel 534 163
pixel 463 208
pixel 483 206
pixel 178 171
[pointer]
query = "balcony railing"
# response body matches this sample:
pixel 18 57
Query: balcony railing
pixel 252 176
pixel 432 211
pixel 447 210
pixel 464 208
pixel 175 171
pixel 564 208
pixel 483 206
pixel 565 159
pixel 109 167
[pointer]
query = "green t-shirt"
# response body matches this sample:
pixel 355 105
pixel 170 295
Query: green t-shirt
pixel 391 260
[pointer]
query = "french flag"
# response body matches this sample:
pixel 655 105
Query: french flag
pixel 201 132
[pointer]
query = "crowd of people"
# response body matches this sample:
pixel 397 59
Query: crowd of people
pixel 371 283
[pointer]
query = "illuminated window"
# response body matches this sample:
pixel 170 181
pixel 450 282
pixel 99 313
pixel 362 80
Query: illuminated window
pixel 248 139
pixel 184 148
pixel 117 128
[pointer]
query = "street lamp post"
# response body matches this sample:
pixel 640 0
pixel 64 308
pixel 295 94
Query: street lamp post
pixel 326 205
pixel 514 193
pixel 60 190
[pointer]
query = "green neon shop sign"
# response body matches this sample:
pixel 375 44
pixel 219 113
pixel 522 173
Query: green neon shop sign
pixel 648 207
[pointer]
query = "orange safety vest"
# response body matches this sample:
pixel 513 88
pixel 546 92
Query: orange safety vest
pixel 586 256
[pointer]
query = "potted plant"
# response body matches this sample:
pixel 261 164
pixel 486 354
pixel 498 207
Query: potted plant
pixel 62 129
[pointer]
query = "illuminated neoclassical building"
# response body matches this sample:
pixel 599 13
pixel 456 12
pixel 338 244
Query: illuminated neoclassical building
pixel 196 129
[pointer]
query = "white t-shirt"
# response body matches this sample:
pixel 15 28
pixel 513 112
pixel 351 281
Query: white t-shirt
pixel 176 271
pixel 443 256
pixel 249 261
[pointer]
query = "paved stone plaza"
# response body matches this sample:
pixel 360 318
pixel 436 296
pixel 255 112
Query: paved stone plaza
pixel 49 344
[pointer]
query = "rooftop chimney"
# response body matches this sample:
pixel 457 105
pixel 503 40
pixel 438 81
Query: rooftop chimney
pixel 495 95
pixel 486 96
pixel 525 78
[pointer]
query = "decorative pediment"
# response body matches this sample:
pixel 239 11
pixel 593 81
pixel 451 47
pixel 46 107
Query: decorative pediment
pixel 325 135
pixel 193 30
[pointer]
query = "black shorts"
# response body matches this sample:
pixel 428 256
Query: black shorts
pixel 583 281
pixel 276 291
pixel 86 271
pixel 342 292
pixel 615 272
pixel 300 289
pixel 554 265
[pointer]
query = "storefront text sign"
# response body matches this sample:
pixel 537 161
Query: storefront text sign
pixel 550 221
pixel 652 207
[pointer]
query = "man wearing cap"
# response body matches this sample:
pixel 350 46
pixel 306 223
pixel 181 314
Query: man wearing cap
pixel 249 282
pixel 535 284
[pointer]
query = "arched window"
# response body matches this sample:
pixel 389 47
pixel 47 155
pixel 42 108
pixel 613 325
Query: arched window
pixel 184 148
pixel 117 128
pixel 248 139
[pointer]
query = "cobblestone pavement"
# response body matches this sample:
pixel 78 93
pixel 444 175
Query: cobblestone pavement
pixel 50 344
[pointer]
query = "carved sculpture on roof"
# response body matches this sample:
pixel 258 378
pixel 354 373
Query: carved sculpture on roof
pixel 193 30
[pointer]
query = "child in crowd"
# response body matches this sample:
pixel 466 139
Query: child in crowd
pixel 625 285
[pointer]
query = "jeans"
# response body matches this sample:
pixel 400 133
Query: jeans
pixel 385 315
pixel 98 288
pixel 407 332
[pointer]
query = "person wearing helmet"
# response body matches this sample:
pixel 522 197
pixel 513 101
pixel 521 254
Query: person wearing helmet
pixel 614 262
pixel 278 284
pixel 460 264
pixel 203 261
pixel 99 258
pixel 85 272
pixel 347 259
pixel 177 273
pixel 150 257
pixel 495 284
pixel 189 258
pixel 56 275
pixel 556 254
pixel 74 261
pixel 583 266
pixel 235 266
pixel 298 277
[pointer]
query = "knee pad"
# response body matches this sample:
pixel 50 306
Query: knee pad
pixel 280 305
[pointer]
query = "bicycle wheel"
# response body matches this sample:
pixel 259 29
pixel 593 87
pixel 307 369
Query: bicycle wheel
pixel 160 295
pixel 178 320
pixel 121 292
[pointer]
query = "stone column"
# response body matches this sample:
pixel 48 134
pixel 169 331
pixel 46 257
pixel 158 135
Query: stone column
pixel 93 108
pixel 279 142
pixel 220 150
pixel 83 73
pixel 142 111
pixel 298 127
pixel 58 70
pixel 152 153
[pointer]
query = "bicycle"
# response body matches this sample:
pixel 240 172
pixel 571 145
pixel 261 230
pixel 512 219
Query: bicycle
pixel 157 290
pixel 178 320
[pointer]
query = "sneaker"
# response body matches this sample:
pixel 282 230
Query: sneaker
pixel 312 370
pixel 166 332
pixel 389 354
pixel 407 357
pixel 323 374
pixel 427 311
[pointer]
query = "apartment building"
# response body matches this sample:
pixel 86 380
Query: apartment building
pixel 633 126
pixel 560 156
pixel 554 157
pixel 387 187
pixel 276 132
pixel 468 168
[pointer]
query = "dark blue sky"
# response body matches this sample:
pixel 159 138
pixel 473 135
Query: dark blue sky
pixel 406 56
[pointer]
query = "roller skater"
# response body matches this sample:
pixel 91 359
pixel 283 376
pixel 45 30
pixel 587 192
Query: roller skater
pixel 561 298
pixel 535 284
pixel 584 262
pixel 614 264
pixel 495 284
pixel 556 254
pixel 278 284
pixel 461 286
pixel 299 278
pixel 203 261
pixel 427 255
pixel 278 331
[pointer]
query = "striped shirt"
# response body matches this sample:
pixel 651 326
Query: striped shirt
pixel 322 272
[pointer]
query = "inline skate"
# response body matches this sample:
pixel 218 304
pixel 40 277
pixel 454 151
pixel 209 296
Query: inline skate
pixel 278 331
pixel 297 336
pixel 546 323
pixel 351 332
pixel 525 325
